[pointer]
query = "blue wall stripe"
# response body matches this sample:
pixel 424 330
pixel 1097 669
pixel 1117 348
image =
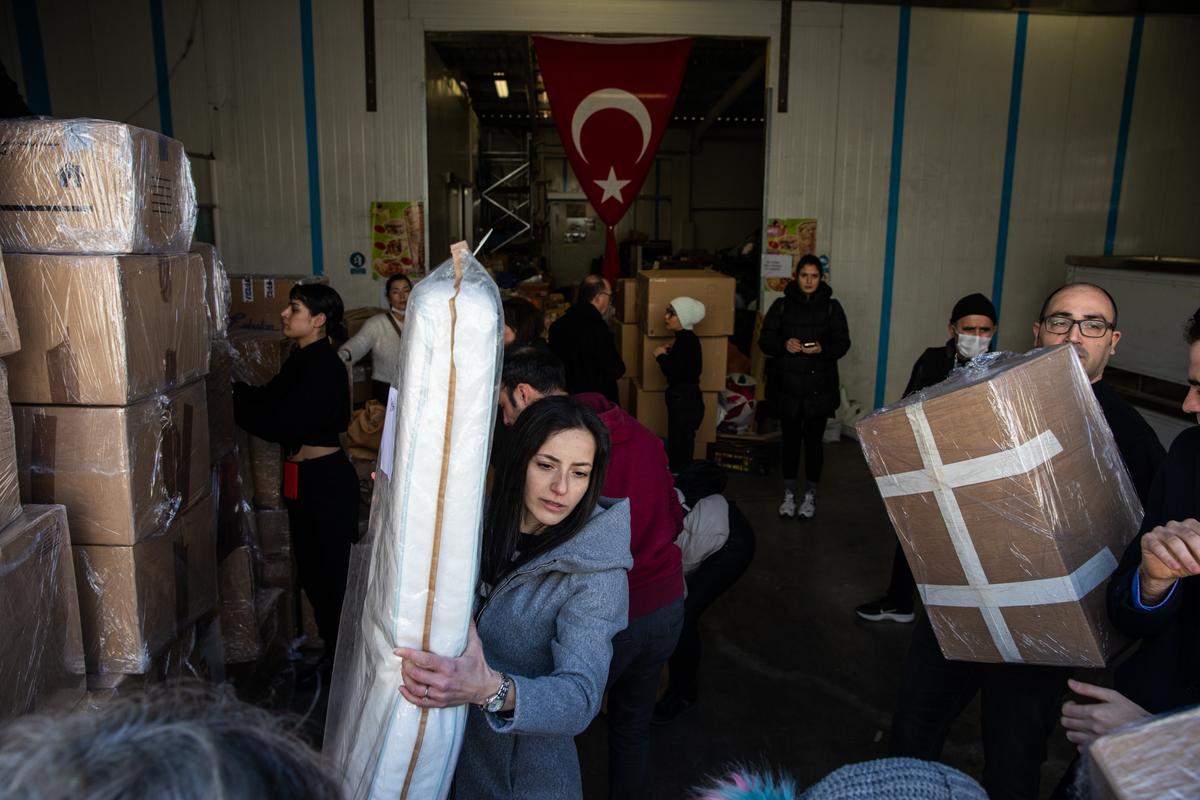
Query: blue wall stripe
pixel 1010 157
pixel 889 256
pixel 1114 201
pixel 163 76
pixel 310 124
pixel 33 57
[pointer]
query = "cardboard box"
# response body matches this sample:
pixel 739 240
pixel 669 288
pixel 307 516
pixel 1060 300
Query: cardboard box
pixel 1156 758
pixel 134 600
pixel 625 297
pixel 625 393
pixel 41 662
pixel 10 489
pixel 216 289
pixel 258 355
pixel 713 350
pixel 657 288
pixel 1012 505
pixel 10 336
pixel 628 339
pixel 239 620
pixel 92 186
pixel 235 516
pixel 258 300
pixel 106 330
pixel 650 409
pixel 122 473
pixel 274 533
pixel 222 431
pixel 266 468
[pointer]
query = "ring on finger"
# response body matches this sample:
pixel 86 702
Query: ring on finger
pixel 426 695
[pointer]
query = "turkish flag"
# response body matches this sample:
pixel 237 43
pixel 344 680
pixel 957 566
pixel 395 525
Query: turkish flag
pixel 611 99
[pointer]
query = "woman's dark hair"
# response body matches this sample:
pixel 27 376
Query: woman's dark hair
pixel 399 276
pixel 322 299
pixel 502 526
pixel 806 260
pixel 524 318
pixel 1193 328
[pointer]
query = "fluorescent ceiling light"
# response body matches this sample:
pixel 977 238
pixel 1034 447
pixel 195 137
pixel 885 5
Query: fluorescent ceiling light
pixel 501 88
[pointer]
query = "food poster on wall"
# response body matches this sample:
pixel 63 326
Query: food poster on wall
pixel 398 238
pixel 786 241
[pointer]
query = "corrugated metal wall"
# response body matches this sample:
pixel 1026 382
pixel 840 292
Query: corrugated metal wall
pixel 240 95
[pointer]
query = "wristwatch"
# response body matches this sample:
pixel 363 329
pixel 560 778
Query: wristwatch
pixel 493 704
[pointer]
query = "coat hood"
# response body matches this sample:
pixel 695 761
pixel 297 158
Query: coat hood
pixel 792 292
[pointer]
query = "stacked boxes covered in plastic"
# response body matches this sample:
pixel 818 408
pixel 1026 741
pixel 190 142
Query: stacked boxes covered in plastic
pixel 1012 505
pixel 96 219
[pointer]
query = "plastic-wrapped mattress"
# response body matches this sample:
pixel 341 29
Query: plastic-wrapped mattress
pixel 412 580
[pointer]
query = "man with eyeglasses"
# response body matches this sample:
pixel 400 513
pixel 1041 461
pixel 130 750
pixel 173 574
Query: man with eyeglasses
pixel 1019 703
pixel 582 339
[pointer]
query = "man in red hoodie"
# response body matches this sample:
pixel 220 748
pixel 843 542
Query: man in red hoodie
pixel 637 469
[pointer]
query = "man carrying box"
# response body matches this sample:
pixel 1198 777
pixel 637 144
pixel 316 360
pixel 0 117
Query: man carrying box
pixel 1020 702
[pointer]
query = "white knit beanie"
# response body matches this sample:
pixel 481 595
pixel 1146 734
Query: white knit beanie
pixel 689 311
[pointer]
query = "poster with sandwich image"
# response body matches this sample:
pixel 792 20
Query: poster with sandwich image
pixel 397 238
pixel 786 241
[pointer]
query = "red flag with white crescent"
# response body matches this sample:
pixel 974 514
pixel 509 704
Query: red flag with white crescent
pixel 612 100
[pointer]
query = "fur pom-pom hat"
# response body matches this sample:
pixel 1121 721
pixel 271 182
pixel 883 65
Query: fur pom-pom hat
pixel 689 311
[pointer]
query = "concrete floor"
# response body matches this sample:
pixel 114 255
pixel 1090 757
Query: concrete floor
pixel 790 677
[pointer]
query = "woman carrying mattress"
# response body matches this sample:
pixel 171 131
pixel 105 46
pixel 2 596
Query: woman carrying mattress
pixel 552 594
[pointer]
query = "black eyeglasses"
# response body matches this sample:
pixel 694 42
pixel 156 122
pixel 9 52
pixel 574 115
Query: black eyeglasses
pixel 1091 328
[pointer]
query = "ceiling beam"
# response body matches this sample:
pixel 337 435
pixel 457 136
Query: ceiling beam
pixel 737 88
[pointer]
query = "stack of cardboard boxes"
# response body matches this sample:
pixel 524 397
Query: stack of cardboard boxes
pixel 108 393
pixel 640 327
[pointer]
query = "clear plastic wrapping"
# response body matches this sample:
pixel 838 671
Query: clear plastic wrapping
pixel 10 492
pixel 106 330
pixel 1156 758
pixel 413 582
pixel 41 662
pixel 222 430
pixel 1013 507
pixel 239 618
pixel 134 601
pixel 93 186
pixel 123 472
pixel 10 334
pixel 216 288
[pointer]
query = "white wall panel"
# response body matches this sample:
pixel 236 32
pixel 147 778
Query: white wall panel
pixel 858 223
pixel 1160 197
pixel 956 118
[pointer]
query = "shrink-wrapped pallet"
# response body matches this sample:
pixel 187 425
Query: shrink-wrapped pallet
pixel 1012 505
pixel 417 572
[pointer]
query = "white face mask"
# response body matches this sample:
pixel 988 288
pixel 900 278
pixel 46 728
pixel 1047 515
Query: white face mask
pixel 971 346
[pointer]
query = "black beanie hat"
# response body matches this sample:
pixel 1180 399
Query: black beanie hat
pixel 973 304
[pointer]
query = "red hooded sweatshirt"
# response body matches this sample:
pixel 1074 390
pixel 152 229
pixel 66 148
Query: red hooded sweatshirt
pixel 638 469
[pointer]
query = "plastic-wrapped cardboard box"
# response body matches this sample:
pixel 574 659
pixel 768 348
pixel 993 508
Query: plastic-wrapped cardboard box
pixel 713 350
pixel 1158 758
pixel 122 472
pixel 134 600
pixel 216 289
pixel 625 300
pixel 10 336
pixel 239 620
pixel 657 288
pixel 258 354
pixel 106 330
pixel 41 661
pixel 222 431
pixel 93 186
pixel 257 300
pixel 1012 505
pixel 10 492
pixel 275 564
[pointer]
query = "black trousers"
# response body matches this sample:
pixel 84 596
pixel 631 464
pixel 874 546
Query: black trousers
pixel 711 579
pixel 1020 706
pixel 903 585
pixel 806 431
pixel 685 412
pixel 324 523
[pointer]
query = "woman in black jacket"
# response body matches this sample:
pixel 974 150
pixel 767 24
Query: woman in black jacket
pixel 305 408
pixel 804 334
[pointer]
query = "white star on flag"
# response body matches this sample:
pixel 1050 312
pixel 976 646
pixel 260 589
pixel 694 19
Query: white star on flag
pixel 612 187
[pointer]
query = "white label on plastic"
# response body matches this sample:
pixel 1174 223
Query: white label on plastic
pixel 387 444
pixel 268 288
pixel 247 290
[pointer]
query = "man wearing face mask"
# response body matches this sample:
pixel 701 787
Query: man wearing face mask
pixel 972 326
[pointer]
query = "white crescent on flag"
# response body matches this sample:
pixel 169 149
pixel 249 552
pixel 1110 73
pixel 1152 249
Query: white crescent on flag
pixel 619 99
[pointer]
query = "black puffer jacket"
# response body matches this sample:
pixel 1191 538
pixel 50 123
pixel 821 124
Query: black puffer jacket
pixel 799 384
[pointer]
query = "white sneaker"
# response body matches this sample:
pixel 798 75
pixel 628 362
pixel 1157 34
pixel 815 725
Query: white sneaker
pixel 808 508
pixel 788 507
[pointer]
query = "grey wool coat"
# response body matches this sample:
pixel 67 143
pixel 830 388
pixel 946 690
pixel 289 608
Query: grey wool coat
pixel 549 626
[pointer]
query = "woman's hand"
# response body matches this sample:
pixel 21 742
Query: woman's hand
pixel 433 681
pixel 1086 722
pixel 794 346
pixel 661 351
